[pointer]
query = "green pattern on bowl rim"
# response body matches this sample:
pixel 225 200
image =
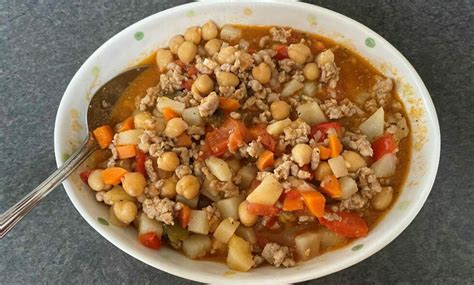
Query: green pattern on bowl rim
pixel 139 35
pixel 357 247
pixel 102 221
pixel 370 42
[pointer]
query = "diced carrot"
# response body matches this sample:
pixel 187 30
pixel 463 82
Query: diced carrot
pixel 169 114
pixel 150 240
pixel 293 201
pixel 113 175
pixel 324 152
pixel 228 104
pixel 184 140
pixel 265 160
pixel 140 162
pixel 262 210
pixel 126 151
pixel 125 125
pixel 315 202
pixel 184 215
pixel 331 187
pixel 335 145
pixel 351 225
pixel 103 135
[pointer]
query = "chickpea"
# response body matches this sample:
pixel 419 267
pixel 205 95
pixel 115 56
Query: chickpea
pixel 163 57
pixel 209 30
pixel 246 218
pixel 169 188
pixel 95 180
pixel 168 161
pixel 143 120
pixel 299 53
pixel 226 55
pixel 301 154
pixel 325 57
pixel 354 160
pixel 187 51
pixel 125 211
pixel 262 73
pixel 175 127
pixel 227 79
pixel 213 46
pixel 188 187
pixel 134 183
pixel 382 200
pixel 193 34
pixel 311 71
pixel 280 110
pixel 322 171
pixel 175 42
pixel 204 84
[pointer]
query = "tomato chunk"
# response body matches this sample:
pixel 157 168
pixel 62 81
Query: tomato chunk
pixel 140 162
pixel 262 210
pixel 351 225
pixel 267 140
pixel 383 145
pixel 150 240
pixel 282 52
pixel 230 136
pixel 324 129
pixel 85 175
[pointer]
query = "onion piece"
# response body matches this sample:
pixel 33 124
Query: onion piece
pixel 129 137
pixel 373 126
pixel 385 166
pixel 247 233
pixel 191 203
pixel 291 87
pixel 196 246
pixel 247 174
pixel 330 239
pixel 311 113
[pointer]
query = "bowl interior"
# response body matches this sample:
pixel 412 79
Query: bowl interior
pixel 145 36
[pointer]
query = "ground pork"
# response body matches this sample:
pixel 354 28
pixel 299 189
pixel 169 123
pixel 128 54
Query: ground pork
pixel 257 260
pixel 367 182
pixel 355 202
pixel 358 142
pixel 382 89
pixel 336 110
pixel 149 100
pixel 150 170
pixel 160 209
pixel 329 70
pixel 182 170
pixel 296 133
pixel 397 126
pixel 213 216
pixel 280 34
pixel 278 255
pixel 209 105
pixel 228 188
pixel 173 79
pixel 255 148
pixel 315 158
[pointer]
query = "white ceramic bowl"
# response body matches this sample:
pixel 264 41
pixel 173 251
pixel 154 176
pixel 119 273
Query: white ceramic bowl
pixel 135 42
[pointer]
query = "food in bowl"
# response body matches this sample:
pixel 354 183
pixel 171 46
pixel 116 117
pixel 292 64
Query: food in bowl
pixel 255 145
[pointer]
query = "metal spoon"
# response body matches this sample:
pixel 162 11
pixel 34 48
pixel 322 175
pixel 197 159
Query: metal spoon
pixel 98 114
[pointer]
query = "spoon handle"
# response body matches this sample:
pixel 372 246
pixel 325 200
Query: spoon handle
pixel 13 215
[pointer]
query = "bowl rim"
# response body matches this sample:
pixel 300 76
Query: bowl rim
pixel 377 245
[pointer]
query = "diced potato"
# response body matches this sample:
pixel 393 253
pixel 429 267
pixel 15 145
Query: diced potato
pixel 322 171
pixel 229 207
pixel 198 222
pixel 218 247
pixel 191 116
pixel 311 113
pixel 385 166
pixel 348 187
pixel 291 87
pixel 164 102
pixel 234 165
pixel 230 33
pixel 382 200
pixel 247 174
pixel 240 256
pixel 267 193
pixel 354 160
pixel 329 239
pixel 373 126
pixel 117 194
pixel 147 225
pixel 277 128
pixel 247 233
pixel 338 166
pixel 307 245
pixel 219 168
pixel 226 229
pixel 196 246
pixel 129 137
pixel 310 88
